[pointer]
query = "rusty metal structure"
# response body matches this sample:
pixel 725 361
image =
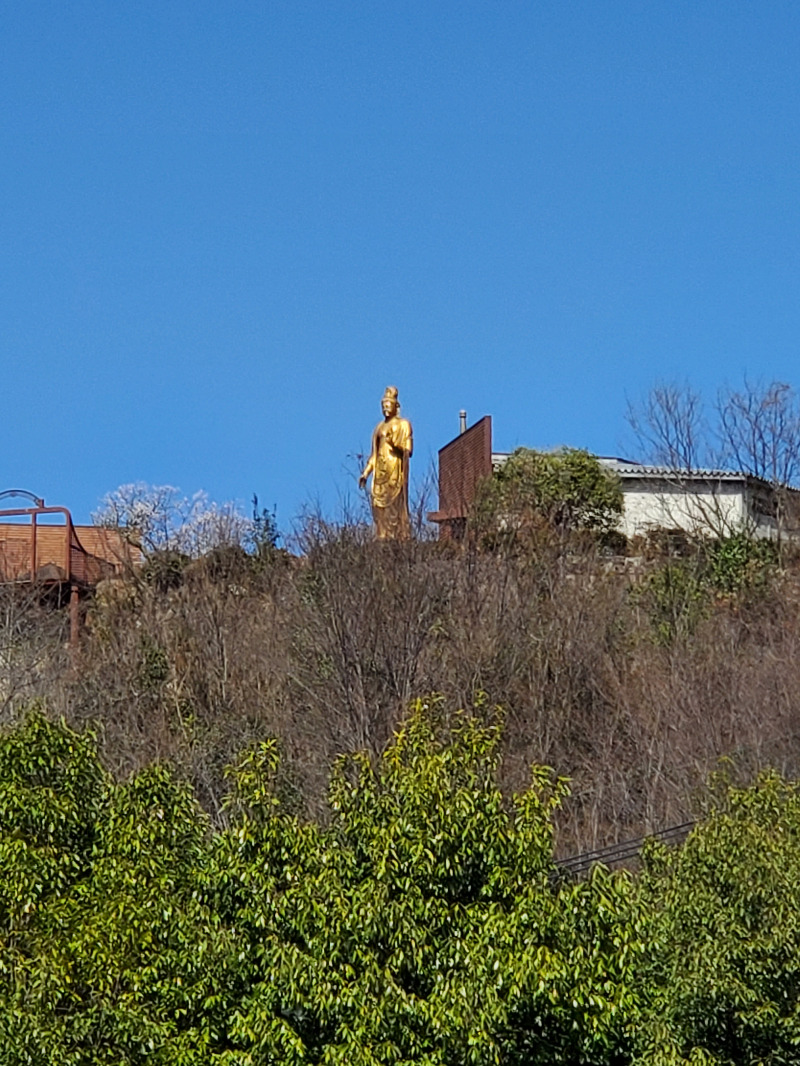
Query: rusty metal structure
pixel 462 463
pixel 61 558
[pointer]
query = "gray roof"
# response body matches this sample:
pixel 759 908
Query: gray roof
pixel 627 468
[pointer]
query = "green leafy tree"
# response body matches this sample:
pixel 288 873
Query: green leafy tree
pixel 722 931
pixel 566 491
pixel 108 954
pixel 424 925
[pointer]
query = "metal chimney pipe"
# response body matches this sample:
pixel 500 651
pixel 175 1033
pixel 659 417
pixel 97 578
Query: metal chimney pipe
pixel 462 421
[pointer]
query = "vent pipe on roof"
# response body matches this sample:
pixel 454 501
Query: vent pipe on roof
pixel 462 421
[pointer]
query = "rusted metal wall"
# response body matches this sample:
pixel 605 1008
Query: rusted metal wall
pixel 59 556
pixel 31 551
pixel 462 463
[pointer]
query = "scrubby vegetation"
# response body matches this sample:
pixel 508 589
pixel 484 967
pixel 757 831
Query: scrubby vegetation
pixel 565 491
pixel 631 675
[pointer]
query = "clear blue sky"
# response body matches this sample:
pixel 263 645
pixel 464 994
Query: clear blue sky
pixel 226 226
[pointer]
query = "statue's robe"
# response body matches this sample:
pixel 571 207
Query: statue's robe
pixel 392 445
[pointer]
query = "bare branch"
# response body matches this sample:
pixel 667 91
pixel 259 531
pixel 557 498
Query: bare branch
pixel 670 427
pixel 760 431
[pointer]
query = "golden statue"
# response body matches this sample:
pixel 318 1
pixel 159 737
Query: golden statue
pixel 392 445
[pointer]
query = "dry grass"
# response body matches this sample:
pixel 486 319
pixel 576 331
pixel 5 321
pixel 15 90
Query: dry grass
pixel 326 650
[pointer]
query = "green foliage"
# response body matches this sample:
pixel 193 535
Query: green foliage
pixel 740 564
pixel 679 594
pixel 51 789
pixel 723 934
pixel 153 666
pixel 567 490
pixel 424 924
pixel 676 598
pixel 264 534
pixel 107 954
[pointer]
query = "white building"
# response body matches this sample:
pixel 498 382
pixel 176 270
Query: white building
pixel 715 502
pixel 701 502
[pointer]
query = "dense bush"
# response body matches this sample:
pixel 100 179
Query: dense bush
pixel 425 923
pixel 564 491
pixel 722 957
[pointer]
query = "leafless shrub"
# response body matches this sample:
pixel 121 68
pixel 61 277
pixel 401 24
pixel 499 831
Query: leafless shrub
pixel 325 649
pixel 33 653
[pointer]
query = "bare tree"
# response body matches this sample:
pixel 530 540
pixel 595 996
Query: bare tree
pixel 672 429
pixel 670 426
pixel 755 432
pixel 759 428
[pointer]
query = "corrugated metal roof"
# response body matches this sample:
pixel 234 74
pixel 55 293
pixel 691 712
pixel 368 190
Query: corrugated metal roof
pixel 628 468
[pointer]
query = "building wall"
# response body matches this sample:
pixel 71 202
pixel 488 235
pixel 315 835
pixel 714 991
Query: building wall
pixel 718 507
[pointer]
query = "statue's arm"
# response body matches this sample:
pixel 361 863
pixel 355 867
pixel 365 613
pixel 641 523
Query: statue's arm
pixel 403 439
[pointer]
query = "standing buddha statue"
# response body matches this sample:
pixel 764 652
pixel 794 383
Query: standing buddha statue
pixel 392 445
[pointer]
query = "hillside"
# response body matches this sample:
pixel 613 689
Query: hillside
pixel 630 675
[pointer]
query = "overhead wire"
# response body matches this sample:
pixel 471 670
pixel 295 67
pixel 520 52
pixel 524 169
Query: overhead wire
pixel 621 851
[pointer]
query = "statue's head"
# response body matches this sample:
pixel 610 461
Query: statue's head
pixel 390 405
